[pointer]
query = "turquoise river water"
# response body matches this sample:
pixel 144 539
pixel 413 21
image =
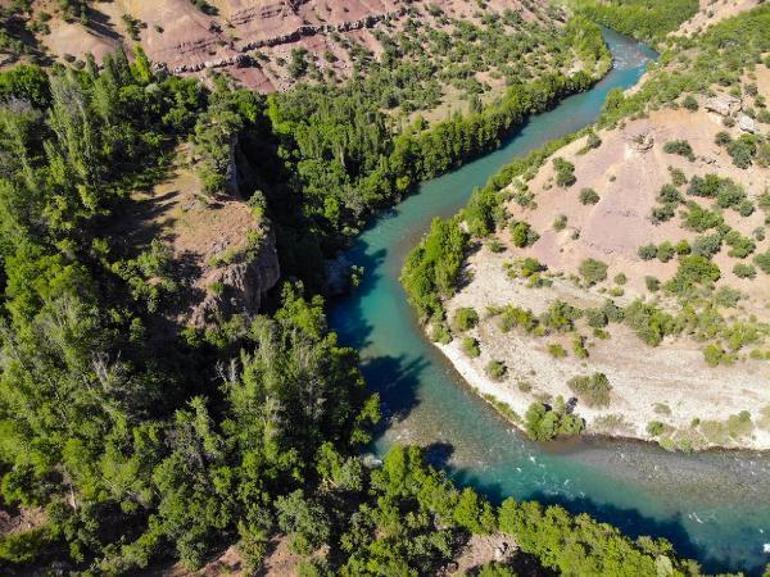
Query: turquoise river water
pixel 714 506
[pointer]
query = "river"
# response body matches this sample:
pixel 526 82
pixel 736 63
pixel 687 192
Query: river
pixel 715 506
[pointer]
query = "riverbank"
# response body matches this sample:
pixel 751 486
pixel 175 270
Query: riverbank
pixel 698 385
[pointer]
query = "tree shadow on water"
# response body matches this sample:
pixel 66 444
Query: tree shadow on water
pixel 630 522
pixel 396 379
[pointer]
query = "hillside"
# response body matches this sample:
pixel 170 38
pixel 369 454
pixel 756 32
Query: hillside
pixel 624 289
pixel 265 45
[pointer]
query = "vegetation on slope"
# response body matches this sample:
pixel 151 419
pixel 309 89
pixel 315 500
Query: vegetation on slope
pixel 647 20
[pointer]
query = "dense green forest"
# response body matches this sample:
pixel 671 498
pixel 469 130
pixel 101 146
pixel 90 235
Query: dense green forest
pixel 647 20
pixel 137 441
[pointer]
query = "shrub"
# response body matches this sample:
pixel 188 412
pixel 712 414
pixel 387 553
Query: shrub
pixel 683 247
pixel 596 318
pixel 690 103
pixel 565 172
pixel 652 284
pixel 656 428
pixel 647 251
pixel 496 370
pixel 669 193
pixel 713 354
pixel 544 423
pixel 665 251
pixel 523 235
pixel 763 262
pixel 589 196
pixel 649 322
pixel 744 270
pixel 560 223
pixel 465 318
pixel 620 279
pixel 707 245
pixel 693 270
pixel 579 347
pixel 740 246
pixel 722 138
pixel 677 176
pixel 560 316
pixel 701 219
pixel 594 391
pixel 471 347
pixel 743 150
pixel 593 271
pixel 556 351
pixel 680 147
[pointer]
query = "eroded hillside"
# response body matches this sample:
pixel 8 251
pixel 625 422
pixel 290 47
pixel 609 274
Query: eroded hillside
pixel 267 45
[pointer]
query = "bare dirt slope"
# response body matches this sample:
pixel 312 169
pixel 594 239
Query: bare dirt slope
pixel 671 383
pixel 250 39
pixel 713 11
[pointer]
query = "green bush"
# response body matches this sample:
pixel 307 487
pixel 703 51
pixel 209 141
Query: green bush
pixel 594 391
pixel 589 196
pixel 543 423
pixel 565 172
pixel 652 284
pixel 649 322
pixel 560 223
pixel 690 103
pixel 465 318
pixel 740 246
pixel 707 245
pixel 701 219
pixel 680 147
pixel 743 150
pixel 666 251
pixel 763 262
pixel 471 347
pixel 693 270
pixel 557 351
pixel 656 428
pixel 744 270
pixel 523 235
pixel 593 271
pixel 647 251
pixel 496 370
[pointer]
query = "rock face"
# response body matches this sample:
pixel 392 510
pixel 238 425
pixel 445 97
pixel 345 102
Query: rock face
pixel 724 105
pixel 242 285
pixel 747 124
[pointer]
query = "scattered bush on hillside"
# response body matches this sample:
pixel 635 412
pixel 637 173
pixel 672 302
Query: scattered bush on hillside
pixel 593 390
pixel 523 235
pixel 589 196
pixel 593 271
pixel 745 270
pixel 565 172
pixel 465 318
pixel 680 147
pixel 496 370
pixel 471 347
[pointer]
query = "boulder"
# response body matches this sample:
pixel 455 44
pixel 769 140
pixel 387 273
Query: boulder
pixel 747 124
pixel 641 141
pixel 724 104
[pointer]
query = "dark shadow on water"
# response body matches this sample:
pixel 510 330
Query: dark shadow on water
pixel 397 381
pixel 439 454
pixel 629 521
